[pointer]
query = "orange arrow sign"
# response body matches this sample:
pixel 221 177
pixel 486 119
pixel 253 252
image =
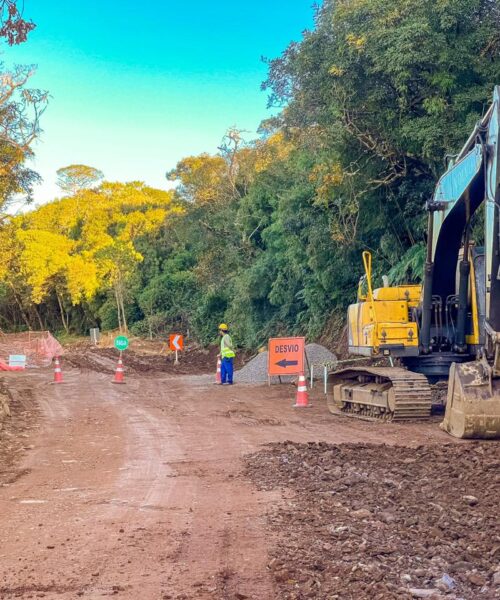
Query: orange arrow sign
pixel 176 341
pixel 286 356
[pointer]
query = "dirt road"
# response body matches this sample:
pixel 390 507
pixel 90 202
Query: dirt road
pixel 138 491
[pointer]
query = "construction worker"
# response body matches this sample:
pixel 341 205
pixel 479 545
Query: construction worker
pixel 226 355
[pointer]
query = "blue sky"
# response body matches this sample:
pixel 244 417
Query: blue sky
pixel 136 86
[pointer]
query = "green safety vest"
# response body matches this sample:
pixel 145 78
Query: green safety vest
pixel 225 351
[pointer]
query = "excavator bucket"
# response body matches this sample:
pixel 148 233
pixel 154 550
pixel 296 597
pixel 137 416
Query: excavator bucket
pixel 473 402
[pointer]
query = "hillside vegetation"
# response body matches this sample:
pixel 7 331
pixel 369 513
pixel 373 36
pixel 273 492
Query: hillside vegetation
pixel 267 234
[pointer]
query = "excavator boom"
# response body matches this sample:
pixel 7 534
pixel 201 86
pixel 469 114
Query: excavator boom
pixel 473 400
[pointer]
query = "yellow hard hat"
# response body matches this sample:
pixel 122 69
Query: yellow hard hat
pixel 223 327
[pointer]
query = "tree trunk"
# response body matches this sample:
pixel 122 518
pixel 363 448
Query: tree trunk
pixel 119 291
pixel 61 310
pixel 124 318
pixel 21 311
pixel 40 322
pixel 118 315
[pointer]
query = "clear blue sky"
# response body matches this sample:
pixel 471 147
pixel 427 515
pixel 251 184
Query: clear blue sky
pixel 136 86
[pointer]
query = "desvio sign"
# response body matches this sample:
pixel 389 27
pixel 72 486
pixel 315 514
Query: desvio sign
pixel 286 356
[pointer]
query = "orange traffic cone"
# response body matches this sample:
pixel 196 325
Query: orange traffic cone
pixel 119 373
pixel 58 377
pixel 302 398
pixel 218 377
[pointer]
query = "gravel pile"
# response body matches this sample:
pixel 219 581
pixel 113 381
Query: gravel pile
pixel 255 371
pixel 374 522
pixel 318 356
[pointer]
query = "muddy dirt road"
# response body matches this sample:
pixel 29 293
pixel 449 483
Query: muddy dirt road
pixel 138 491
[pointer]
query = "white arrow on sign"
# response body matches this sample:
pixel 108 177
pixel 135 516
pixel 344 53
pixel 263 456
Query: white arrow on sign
pixel 175 342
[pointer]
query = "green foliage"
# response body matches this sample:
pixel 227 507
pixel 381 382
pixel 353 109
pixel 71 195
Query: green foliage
pixel 411 266
pixel 107 315
pixel 268 235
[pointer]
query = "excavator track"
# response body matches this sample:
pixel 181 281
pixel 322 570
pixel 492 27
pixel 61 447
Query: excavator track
pixel 379 393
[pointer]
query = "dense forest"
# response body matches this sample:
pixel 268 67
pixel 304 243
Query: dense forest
pixel 266 234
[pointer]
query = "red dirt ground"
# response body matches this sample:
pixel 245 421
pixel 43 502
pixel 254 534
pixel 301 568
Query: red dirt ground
pixel 144 360
pixel 139 491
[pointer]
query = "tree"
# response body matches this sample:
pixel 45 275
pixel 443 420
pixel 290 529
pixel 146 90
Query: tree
pixel 202 178
pixel 20 112
pixel 61 259
pixel 74 178
pixel 13 27
pixel 383 90
pixel 267 235
pixel 118 263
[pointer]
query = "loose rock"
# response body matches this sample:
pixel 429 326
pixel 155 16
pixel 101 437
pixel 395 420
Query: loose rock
pixel 471 500
pixel 423 593
pixel 385 535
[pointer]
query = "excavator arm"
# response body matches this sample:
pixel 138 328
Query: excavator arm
pixel 471 180
pixel 473 400
pixel 492 236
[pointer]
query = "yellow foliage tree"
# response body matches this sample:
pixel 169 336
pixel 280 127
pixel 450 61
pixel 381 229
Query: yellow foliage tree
pixel 82 245
pixel 202 178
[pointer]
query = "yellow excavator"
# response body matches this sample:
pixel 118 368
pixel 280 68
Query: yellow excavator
pixel 446 328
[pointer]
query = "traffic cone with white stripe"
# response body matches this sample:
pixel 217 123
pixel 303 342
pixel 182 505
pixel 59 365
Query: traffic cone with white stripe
pixel 302 398
pixel 218 377
pixel 58 376
pixel 119 373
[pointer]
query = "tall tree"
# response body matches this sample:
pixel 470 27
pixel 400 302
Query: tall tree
pixel 20 112
pixel 74 178
pixel 381 91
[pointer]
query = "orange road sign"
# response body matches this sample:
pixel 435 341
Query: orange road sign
pixel 286 356
pixel 176 341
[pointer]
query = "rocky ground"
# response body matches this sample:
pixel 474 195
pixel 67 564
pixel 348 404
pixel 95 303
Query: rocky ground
pixel 377 522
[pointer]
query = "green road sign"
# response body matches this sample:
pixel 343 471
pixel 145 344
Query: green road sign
pixel 121 343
